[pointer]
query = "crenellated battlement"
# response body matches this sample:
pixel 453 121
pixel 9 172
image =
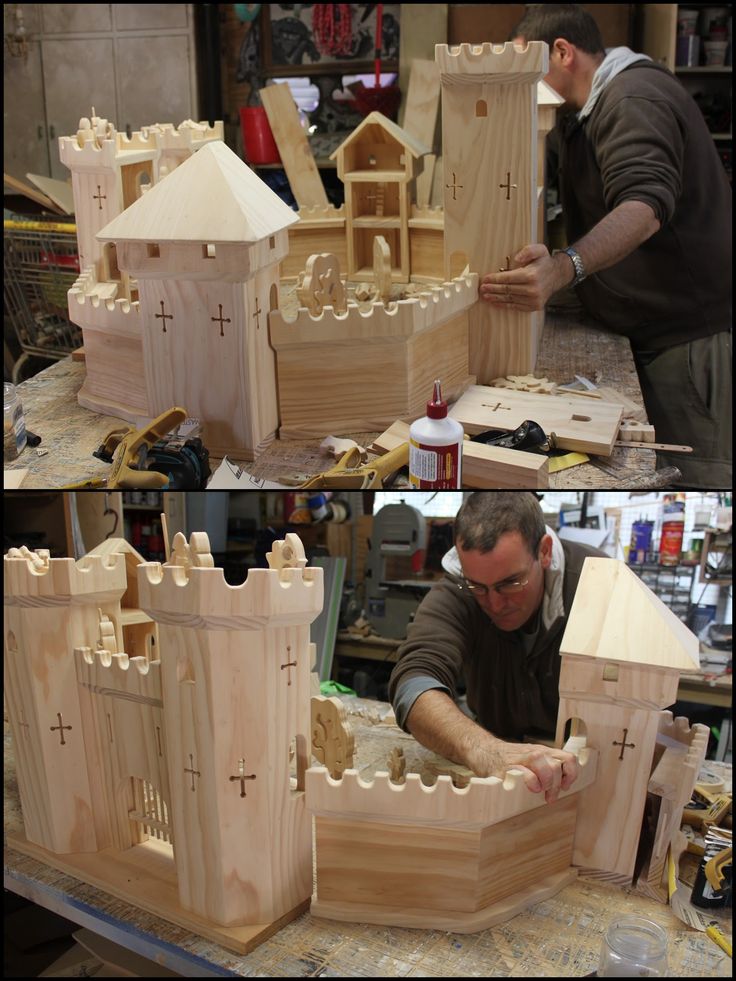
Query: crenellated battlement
pixel 483 802
pixel 202 599
pixel 87 150
pixel 398 319
pixel 89 309
pixel 134 678
pixel 522 63
pixel 63 582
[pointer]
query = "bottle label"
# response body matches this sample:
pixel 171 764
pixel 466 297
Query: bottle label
pixel 434 467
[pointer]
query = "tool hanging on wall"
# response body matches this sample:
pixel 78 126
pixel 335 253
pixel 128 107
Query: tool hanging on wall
pixel 153 457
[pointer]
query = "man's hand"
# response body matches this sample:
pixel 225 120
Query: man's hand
pixel 535 277
pixel 545 769
pixel 437 723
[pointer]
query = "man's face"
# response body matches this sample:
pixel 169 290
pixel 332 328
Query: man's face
pixel 509 561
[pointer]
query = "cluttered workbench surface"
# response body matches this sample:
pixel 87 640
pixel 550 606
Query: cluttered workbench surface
pixel 559 937
pixel 570 346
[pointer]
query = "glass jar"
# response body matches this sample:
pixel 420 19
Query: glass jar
pixel 14 425
pixel 633 947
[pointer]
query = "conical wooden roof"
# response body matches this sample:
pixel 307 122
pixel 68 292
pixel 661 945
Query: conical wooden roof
pixel 616 617
pixel 413 145
pixel 212 197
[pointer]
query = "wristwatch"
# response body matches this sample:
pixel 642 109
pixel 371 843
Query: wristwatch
pixel 580 273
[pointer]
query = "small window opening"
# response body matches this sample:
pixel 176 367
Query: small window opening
pixel 154 252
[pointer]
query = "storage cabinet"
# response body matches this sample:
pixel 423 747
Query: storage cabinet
pixel 709 85
pixel 135 63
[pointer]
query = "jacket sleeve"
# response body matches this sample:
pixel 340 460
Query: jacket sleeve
pixel 639 145
pixel 433 650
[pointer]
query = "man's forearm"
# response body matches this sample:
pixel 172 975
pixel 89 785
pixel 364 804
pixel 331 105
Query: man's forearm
pixel 615 236
pixel 437 723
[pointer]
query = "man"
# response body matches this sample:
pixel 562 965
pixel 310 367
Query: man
pixel 647 208
pixel 495 621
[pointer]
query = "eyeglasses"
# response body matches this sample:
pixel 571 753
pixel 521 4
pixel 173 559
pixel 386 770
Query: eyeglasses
pixel 480 589
pixel 508 588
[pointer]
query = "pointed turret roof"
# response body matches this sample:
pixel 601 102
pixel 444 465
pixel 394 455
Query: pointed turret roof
pixel 212 197
pixel 413 145
pixel 615 617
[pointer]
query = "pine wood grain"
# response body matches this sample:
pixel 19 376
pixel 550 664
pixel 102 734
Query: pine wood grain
pixel 291 139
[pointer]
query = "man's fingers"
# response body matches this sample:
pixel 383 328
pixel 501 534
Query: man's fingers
pixel 530 253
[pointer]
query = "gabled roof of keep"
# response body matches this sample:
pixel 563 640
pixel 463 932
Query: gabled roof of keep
pixel 212 197
pixel 616 617
pixel 414 146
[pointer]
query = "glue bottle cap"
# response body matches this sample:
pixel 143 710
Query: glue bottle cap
pixel 436 407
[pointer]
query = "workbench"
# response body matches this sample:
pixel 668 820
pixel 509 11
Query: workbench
pixel 559 937
pixel 570 345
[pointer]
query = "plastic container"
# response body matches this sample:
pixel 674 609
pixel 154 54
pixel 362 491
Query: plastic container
pixel 670 545
pixel 687 21
pixel 641 541
pixel 14 425
pixel 633 947
pixel 258 142
pixel 715 52
pixel 435 448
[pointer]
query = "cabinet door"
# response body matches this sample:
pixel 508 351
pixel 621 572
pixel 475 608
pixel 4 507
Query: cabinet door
pixel 24 127
pixel 77 75
pixel 149 16
pixel 154 80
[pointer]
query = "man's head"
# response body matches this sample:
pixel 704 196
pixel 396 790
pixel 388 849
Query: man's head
pixel 504 550
pixel 575 46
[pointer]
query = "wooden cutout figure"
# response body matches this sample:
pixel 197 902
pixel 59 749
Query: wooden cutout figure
pixel 382 267
pixel 193 554
pixel 322 285
pixel 287 554
pixel 397 765
pixel 106 638
pixel 333 742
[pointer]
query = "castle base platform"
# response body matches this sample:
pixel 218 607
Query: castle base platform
pixel 145 877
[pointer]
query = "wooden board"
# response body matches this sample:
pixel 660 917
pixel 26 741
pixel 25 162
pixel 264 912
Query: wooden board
pixel 483 467
pixel 18 187
pixel 588 428
pixel 14 478
pixel 59 191
pixel 145 877
pixel 420 118
pixel 291 139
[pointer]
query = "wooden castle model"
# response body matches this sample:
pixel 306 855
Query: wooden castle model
pixel 180 779
pixel 120 758
pixel 463 859
pixel 179 286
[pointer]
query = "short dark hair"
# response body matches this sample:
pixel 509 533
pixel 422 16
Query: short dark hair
pixel 486 515
pixel 547 21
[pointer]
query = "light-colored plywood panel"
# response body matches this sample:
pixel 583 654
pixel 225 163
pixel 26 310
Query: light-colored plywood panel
pixel 591 428
pixel 291 139
pixel 616 617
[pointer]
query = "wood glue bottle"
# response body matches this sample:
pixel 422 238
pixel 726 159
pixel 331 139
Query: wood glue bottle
pixel 435 448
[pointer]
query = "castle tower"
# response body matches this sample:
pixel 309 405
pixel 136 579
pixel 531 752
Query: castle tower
pixel 204 246
pixel 51 607
pixel 235 679
pixel 489 127
pixel 622 652
pixel 111 170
